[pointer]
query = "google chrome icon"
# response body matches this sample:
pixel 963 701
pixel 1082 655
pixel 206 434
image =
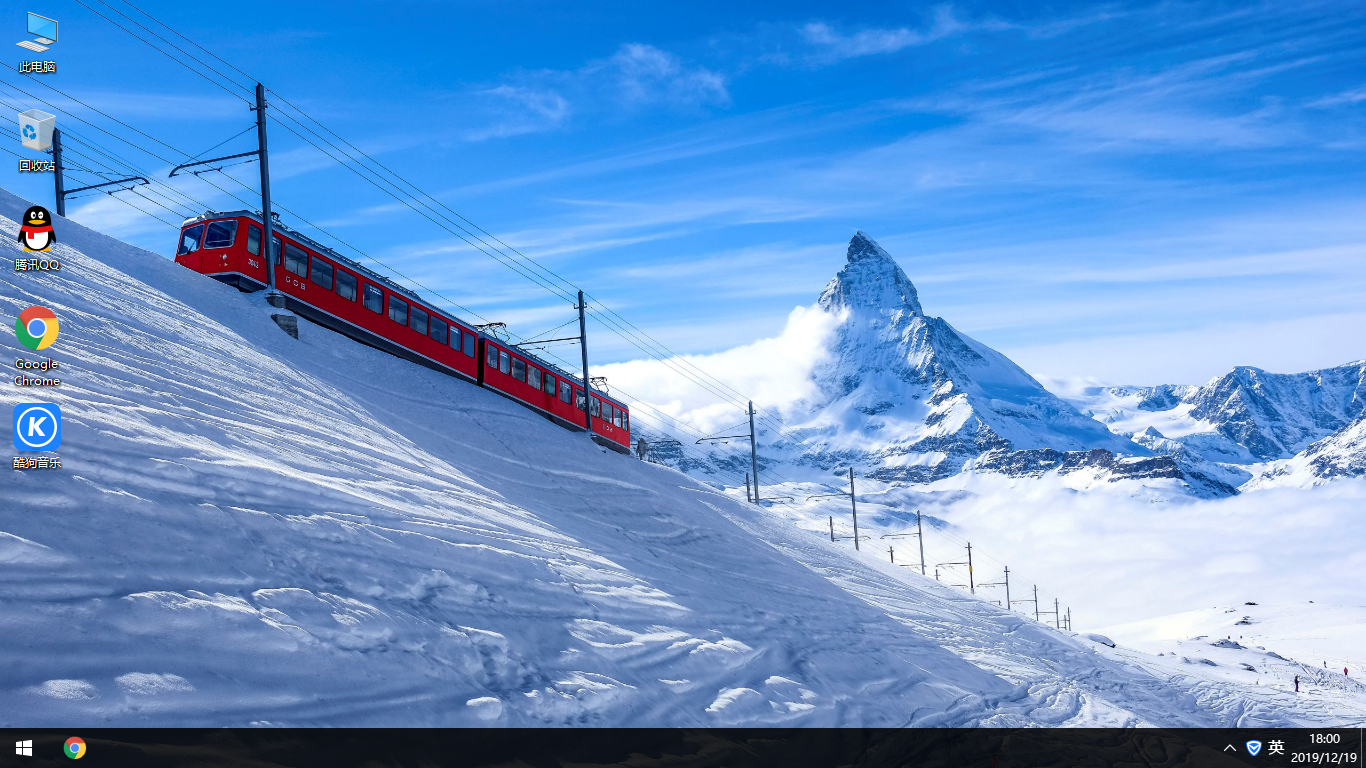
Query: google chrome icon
pixel 36 328
pixel 75 748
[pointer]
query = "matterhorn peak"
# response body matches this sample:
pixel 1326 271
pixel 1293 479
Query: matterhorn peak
pixel 861 246
pixel 871 279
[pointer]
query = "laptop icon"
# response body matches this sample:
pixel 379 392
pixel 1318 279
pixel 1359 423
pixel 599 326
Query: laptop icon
pixel 44 28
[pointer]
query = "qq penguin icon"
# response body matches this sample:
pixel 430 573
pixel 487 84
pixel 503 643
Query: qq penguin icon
pixel 35 233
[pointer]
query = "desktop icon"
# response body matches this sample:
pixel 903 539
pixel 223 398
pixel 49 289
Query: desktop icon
pixel 44 28
pixel 24 748
pixel 35 129
pixel 36 328
pixel 37 427
pixel 35 233
pixel 1254 747
pixel 75 748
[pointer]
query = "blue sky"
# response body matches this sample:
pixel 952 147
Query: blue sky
pixel 1141 193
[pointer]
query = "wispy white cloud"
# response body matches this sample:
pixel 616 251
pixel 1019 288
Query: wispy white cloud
pixel 518 109
pixel 832 45
pixel 647 75
pixel 1342 99
pixel 637 76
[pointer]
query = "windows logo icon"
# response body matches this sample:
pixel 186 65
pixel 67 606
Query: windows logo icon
pixel 24 748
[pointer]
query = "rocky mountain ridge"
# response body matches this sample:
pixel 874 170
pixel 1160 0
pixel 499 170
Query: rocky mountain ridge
pixel 1247 422
pixel 908 398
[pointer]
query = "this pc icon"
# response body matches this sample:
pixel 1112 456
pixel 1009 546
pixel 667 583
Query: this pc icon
pixel 44 28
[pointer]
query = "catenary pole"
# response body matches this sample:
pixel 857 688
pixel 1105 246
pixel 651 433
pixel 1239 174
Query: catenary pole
pixel 920 537
pixel 1007 587
pixel 971 588
pixel 267 219
pixel 583 349
pixel 1036 602
pixel 853 506
pixel 754 455
pixel 1057 620
pixel 57 180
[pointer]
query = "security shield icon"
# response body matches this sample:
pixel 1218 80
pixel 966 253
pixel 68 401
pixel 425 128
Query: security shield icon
pixel 1254 747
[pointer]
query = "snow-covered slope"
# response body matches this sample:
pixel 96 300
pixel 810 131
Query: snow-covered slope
pixel 1312 640
pixel 250 529
pixel 915 397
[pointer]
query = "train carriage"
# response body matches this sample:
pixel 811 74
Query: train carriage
pixel 333 291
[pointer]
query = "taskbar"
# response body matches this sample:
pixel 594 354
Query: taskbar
pixel 689 747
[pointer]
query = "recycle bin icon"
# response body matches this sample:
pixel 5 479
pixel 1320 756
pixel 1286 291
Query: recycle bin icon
pixel 35 129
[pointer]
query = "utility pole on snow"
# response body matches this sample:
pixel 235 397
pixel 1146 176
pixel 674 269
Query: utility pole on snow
pixel 273 295
pixel 583 350
pixel 59 176
pixel 1005 583
pixel 853 507
pixel 971 587
pixel 753 450
pixel 920 537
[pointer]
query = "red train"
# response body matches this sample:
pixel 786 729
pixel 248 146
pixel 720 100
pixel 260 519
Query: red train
pixel 335 292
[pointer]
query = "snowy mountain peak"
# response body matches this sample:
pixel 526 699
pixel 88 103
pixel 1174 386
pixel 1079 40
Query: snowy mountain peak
pixel 872 279
pixel 911 398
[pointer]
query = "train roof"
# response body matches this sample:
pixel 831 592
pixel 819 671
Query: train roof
pixel 374 276
pixel 331 253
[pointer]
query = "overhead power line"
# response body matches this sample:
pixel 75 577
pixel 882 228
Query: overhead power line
pixel 295 120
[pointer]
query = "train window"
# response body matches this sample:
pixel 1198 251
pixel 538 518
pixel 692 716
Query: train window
pixel 275 248
pixel 492 357
pixel 419 321
pixel 548 384
pixel 504 362
pixel 374 298
pixel 533 376
pixel 321 272
pixel 626 421
pixel 221 234
pixel 398 310
pixel 346 285
pixel 296 260
pixel 469 344
pixel 518 369
pixel 595 405
pixel 616 417
pixel 565 392
pixel 579 401
pixel 438 330
pixel 189 240
pixel 253 240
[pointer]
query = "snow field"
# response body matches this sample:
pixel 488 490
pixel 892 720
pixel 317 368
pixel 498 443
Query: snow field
pixel 250 529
